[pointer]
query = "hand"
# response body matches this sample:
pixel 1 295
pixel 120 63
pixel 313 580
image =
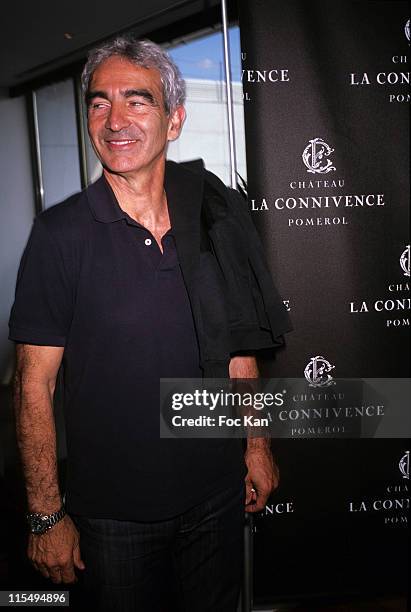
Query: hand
pixel 56 552
pixel 262 477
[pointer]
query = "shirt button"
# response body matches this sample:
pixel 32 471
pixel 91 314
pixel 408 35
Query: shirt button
pixel 147 241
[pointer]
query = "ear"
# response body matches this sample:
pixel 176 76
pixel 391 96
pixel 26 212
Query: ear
pixel 175 122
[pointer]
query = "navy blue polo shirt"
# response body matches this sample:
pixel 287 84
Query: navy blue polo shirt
pixel 94 280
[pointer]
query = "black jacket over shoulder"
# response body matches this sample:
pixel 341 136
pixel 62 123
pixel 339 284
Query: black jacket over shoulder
pixel 235 304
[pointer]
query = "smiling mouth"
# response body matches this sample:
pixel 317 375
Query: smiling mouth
pixel 120 143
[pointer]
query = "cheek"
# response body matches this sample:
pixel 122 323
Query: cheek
pixel 92 128
pixel 155 130
pixel 96 123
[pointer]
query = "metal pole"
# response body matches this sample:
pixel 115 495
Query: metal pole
pixel 247 590
pixel 35 149
pixel 81 131
pixel 229 93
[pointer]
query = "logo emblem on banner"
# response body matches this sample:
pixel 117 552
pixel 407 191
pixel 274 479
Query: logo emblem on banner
pixel 314 157
pixel 404 465
pixel 317 372
pixel 405 261
pixel 407 30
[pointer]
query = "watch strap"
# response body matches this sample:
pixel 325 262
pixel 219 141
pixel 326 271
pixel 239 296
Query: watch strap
pixel 40 523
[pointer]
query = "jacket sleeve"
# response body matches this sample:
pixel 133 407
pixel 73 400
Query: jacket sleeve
pixel 272 314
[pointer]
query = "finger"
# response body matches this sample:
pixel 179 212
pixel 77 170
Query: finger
pixel 68 574
pixel 252 496
pixel 253 508
pixel 43 570
pixel 78 561
pixel 248 491
pixel 55 577
pixel 260 502
pixel 55 572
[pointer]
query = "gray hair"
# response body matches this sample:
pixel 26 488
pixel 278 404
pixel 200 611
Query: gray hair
pixel 142 53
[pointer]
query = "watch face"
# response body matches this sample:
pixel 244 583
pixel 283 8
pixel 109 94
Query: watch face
pixel 40 523
pixel 38 526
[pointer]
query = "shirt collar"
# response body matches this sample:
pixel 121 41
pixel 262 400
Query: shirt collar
pixel 103 203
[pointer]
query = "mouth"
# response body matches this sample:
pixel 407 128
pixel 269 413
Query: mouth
pixel 120 144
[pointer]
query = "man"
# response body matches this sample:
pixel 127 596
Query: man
pixel 154 271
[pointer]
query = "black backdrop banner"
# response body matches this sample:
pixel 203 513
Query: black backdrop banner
pixel 326 97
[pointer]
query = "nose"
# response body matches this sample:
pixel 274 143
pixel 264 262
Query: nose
pixel 117 118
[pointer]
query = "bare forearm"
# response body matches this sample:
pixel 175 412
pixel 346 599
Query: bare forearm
pixel 246 367
pixel 36 438
pixel 243 367
pixel 262 473
pixel 260 443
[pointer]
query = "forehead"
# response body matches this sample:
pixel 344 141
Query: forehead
pixel 120 73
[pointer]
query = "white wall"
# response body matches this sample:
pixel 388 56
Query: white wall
pixel 17 211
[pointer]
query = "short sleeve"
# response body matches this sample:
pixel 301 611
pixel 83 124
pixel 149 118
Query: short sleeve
pixel 42 309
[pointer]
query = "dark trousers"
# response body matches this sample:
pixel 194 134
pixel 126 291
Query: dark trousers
pixel 191 563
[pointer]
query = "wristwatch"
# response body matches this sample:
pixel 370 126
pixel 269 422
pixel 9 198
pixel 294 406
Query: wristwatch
pixel 40 523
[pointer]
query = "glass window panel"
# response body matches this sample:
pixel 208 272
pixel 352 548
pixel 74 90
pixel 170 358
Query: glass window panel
pixel 93 165
pixel 205 133
pixel 59 153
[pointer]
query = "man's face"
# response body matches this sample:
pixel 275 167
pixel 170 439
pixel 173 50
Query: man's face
pixel 127 122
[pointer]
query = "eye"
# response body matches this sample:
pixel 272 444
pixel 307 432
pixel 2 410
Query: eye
pixel 98 105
